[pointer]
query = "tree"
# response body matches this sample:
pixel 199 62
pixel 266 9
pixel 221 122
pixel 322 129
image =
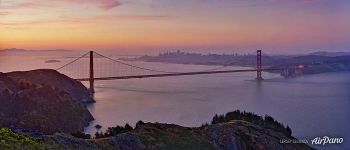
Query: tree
pixel 81 135
pixel 139 123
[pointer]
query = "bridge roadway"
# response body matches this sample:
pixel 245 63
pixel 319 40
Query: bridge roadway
pixel 173 74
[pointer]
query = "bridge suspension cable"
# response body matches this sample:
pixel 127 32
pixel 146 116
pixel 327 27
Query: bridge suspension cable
pixel 217 68
pixel 226 65
pixel 82 56
pixel 134 66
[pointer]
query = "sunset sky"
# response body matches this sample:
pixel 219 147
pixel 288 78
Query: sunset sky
pixel 281 26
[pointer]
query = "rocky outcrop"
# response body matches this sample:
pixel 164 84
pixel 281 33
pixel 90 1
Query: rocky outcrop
pixel 232 135
pixel 43 100
pixel 54 79
pixel 245 135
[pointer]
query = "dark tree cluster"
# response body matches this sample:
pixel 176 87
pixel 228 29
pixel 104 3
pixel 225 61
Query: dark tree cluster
pixel 113 131
pixel 266 121
pixel 81 135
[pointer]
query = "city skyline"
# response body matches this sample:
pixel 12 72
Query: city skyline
pixel 290 26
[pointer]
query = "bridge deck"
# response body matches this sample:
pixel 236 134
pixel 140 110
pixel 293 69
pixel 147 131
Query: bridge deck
pixel 173 74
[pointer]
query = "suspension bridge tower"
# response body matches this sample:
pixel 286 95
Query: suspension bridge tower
pixel 258 66
pixel 91 78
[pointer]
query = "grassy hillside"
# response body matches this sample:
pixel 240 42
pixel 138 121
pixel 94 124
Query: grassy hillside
pixel 10 140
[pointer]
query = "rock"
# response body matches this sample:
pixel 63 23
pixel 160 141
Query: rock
pixel 128 141
pixel 57 81
pixel 238 134
pixel 69 142
pixel 43 100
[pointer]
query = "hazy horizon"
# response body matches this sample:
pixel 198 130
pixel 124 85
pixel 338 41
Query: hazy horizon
pixel 156 52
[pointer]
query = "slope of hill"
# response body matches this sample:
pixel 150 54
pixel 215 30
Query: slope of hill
pixel 230 135
pixel 43 100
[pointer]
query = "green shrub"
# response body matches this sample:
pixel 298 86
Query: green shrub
pixel 11 140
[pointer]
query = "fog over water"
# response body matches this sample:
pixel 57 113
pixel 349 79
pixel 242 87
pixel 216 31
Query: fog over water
pixel 312 105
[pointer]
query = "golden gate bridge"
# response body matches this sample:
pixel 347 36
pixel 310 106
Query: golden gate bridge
pixel 115 69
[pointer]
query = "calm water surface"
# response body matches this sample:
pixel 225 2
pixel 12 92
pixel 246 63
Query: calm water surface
pixel 313 105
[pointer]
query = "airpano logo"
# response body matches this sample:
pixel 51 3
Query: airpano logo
pixel 326 140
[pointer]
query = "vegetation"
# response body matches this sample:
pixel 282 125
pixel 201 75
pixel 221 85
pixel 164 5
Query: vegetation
pixel 81 135
pixel 160 136
pixel 10 140
pixel 266 122
pixel 139 123
pixel 113 131
pixel 98 126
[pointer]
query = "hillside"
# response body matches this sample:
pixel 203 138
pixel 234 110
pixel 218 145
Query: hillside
pixel 44 101
pixel 231 135
pixel 233 131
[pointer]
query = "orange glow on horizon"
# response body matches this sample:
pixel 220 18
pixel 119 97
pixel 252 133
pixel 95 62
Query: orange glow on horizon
pixel 131 26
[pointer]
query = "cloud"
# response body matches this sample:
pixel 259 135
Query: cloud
pixel 87 20
pixel 134 17
pixel 5 13
pixel 102 4
pixel 40 22
pixel 109 4
pixel 306 1
pixel 254 3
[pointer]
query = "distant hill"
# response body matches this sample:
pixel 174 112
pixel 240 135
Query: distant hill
pixel 25 50
pixel 314 63
pixel 13 50
pixel 331 54
pixel 245 60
